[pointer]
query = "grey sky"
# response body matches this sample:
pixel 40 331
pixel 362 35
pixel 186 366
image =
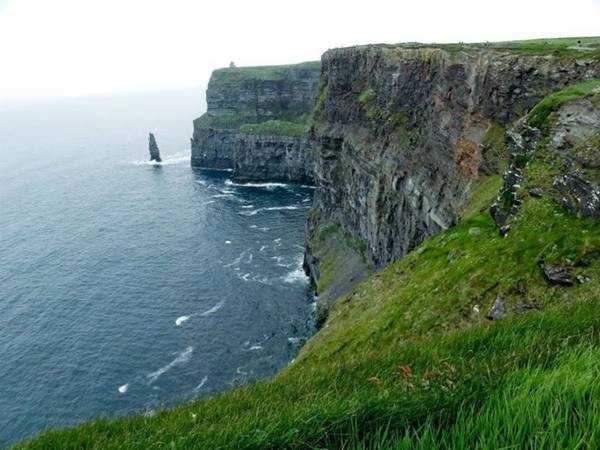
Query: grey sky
pixel 80 47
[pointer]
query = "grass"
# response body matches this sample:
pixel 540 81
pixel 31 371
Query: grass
pixel 276 128
pixel 264 73
pixel 540 115
pixel 573 47
pixel 406 361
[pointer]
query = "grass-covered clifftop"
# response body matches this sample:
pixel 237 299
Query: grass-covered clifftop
pixel 408 359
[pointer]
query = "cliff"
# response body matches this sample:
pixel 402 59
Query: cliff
pixel 402 133
pixel 473 331
pixel 257 122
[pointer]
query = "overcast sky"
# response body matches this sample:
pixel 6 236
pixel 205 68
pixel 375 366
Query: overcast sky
pixel 58 48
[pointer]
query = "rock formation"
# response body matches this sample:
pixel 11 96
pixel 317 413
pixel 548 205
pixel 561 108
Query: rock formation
pixel 399 134
pixel 257 122
pixel 153 149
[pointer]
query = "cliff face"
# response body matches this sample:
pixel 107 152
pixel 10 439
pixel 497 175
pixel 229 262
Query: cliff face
pixel 400 134
pixel 253 111
pixel 273 158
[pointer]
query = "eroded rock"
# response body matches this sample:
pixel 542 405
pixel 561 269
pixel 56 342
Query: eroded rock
pixel 559 275
pixel 153 149
pixel 497 311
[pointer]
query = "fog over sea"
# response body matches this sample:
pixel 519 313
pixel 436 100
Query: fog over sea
pixel 127 286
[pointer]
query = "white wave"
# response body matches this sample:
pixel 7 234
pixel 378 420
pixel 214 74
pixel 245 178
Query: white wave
pixel 263 248
pixel 240 371
pixel 272 208
pixel 307 186
pixel 169 160
pixel 202 383
pixel 182 358
pixel 201 182
pixel 123 389
pixel 294 340
pixel 214 309
pixel 257 185
pixel 255 347
pixel 208 202
pixel 236 261
pixel 222 196
pixel 248 206
pixel 181 319
pixel 228 242
pixel 295 276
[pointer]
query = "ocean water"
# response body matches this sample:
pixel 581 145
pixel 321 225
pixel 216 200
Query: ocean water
pixel 127 286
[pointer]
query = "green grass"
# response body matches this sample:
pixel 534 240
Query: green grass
pixel 573 47
pixel 405 361
pixel 276 128
pixel 540 115
pixel 264 73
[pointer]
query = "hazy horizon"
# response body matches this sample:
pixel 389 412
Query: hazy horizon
pixel 70 48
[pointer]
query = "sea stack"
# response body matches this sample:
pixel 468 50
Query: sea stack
pixel 153 148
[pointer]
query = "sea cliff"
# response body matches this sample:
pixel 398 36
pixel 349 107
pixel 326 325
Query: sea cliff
pixel 257 122
pixel 400 136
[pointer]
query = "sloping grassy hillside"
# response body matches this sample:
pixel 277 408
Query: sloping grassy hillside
pixel 408 359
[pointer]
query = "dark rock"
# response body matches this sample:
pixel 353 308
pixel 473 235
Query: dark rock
pixel 272 158
pixel 578 195
pixel 505 229
pixel 536 192
pixel 558 275
pixel 522 308
pixel 153 148
pixel 497 310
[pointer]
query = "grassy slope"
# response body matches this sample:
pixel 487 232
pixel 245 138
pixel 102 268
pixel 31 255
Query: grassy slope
pixel 404 361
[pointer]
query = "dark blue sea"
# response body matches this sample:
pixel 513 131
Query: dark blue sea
pixel 125 286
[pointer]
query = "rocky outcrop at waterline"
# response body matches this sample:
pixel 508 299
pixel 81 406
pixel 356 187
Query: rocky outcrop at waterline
pixel 257 122
pixel 153 149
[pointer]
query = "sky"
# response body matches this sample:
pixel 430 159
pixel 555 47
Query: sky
pixel 70 48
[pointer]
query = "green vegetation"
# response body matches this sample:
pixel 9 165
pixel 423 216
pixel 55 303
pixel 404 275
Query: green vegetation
pixel 408 359
pixel 540 115
pixel 588 47
pixel 495 152
pixel 322 93
pixel 274 73
pixel 366 96
pixel 575 47
pixel 276 128
pixel 484 189
pixel 336 248
pixel 228 119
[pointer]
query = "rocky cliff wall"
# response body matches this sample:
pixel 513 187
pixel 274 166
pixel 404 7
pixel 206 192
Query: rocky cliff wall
pixel 400 135
pixel 273 158
pixel 276 102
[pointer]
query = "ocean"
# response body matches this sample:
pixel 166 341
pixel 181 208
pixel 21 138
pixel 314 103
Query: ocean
pixel 126 286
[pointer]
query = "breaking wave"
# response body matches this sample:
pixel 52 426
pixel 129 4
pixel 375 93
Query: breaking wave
pixel 182 358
